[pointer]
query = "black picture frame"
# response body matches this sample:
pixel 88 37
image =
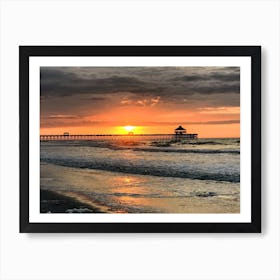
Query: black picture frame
pixel 254 52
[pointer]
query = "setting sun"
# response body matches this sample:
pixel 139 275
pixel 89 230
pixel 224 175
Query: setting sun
pixel 129 128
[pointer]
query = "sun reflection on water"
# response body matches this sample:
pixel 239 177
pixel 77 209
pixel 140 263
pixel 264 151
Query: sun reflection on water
pixel 127 180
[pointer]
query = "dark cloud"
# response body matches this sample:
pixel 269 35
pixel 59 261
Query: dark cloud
pixel 95 98
pixel 89 90
pixel 226 77
pixel 56 82
pixel 150 80
pixel 216 122
pixel 231 76
pixel 231 88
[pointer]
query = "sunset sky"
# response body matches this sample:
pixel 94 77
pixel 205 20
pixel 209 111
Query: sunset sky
pixel 103 100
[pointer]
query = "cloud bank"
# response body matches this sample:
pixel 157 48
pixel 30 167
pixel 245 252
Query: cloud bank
pixel 67 92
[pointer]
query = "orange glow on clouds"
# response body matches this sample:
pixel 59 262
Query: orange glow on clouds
pixel 140 100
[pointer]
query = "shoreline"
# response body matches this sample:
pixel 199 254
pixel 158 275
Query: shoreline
pixel 53 202
pixel 130 193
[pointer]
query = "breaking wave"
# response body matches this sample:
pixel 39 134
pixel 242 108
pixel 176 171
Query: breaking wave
pixel 158 170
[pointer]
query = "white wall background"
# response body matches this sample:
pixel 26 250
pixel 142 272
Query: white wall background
pixel 139 256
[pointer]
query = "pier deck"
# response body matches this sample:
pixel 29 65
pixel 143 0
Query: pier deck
pixel 155 137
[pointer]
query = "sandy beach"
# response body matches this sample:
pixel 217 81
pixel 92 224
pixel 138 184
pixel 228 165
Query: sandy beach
pixel 71 190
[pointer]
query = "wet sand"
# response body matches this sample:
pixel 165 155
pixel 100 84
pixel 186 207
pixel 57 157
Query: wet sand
pixel 65 188
pixel 52 202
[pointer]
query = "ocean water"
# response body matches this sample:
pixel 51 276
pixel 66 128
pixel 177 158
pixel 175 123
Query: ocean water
pixel 140 175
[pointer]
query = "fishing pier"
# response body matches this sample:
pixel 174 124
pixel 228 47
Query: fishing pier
pixel 179 134
pixel 112 137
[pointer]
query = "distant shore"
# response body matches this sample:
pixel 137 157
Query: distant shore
pixel 52 202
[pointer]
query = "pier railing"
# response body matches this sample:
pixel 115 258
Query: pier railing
pixel 132 137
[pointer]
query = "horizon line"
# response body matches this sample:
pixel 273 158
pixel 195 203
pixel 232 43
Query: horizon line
pixel 132 135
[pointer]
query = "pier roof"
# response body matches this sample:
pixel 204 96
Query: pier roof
pixel 180 128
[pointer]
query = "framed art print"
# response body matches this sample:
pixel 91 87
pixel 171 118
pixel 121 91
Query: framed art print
pixel 140 138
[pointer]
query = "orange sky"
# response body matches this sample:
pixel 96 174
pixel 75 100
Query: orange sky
pixel 204 131
pixel 208 123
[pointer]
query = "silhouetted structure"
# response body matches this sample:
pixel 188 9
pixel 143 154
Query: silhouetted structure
pixel 111 137
pixel 180 130
pixel 181 134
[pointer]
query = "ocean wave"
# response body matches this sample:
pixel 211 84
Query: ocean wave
pixel 195 151
pixel 162 171
pixel 144 146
